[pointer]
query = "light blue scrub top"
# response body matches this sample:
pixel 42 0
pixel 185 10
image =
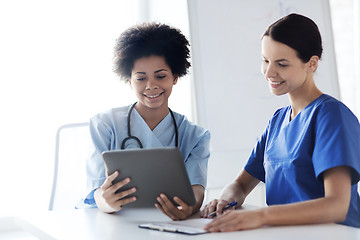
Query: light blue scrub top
pixel 291 156
pixel 109 129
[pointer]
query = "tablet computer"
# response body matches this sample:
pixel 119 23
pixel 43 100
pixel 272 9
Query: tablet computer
pixel 152 171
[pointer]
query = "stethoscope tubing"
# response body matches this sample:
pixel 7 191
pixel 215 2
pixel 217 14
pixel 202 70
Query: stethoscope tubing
pixel 137 139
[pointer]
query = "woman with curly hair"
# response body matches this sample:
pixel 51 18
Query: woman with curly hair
pixel 151 57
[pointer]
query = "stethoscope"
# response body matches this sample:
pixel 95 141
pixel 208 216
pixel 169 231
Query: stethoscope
pixel 137 139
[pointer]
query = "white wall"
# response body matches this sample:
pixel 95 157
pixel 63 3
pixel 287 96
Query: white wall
pixel 232 97
pixel 56 68
pixel 56 61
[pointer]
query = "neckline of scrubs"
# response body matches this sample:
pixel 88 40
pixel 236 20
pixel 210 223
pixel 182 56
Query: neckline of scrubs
pixel 316 100
pixel 164 121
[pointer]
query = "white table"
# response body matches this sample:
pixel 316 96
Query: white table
pixel 94 224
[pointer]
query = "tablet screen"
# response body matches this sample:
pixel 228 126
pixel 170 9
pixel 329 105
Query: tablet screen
pixel 152 171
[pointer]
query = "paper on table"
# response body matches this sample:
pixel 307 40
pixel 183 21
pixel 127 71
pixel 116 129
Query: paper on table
pixel 189 226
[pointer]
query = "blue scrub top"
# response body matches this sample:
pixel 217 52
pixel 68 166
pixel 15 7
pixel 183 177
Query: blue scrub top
pixel 109 129
pixel 291 156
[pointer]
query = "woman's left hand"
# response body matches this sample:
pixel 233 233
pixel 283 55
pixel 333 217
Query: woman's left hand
pixel 181 212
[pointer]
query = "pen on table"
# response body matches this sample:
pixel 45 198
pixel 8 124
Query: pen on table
pixel 229 205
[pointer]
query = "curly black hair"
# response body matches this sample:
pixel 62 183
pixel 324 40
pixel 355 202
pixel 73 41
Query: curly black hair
pixel 151 39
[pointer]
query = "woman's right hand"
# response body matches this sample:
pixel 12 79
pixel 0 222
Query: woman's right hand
pixel 216 205
pixel 230 193
pixel 109 199
pixel 235 191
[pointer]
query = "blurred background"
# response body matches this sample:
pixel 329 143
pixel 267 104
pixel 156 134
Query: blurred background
pixel 56 68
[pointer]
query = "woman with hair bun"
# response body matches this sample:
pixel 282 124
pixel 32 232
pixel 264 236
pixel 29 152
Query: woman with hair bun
pixel 309 154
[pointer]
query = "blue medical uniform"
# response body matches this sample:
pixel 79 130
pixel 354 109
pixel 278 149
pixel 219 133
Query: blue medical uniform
pixel 291 156
pixel 109 129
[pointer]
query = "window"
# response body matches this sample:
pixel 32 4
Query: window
pixel 343 21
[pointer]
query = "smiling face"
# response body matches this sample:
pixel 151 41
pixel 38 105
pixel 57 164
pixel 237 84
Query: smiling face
pixel 152 81
pixel 283 69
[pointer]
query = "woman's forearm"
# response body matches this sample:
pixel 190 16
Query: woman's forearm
pixel 199 197
pixel 333 207
pixel 322 210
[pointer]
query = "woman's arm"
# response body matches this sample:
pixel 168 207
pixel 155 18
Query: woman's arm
pixel 331 208
pixel 199 192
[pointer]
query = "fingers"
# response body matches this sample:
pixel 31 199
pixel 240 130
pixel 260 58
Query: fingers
pixel 109 180
pixel 209 208
pixel 121 195
pixel 185 210
pixel 222 223
pixel 168 208
pixel 181 203
pixel 220 206
pixel 216 206
pixel 108 184
pixel 123 201
pixel 236 220
pixel 113 197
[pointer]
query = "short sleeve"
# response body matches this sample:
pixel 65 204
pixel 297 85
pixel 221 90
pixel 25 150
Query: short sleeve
pixel 337 141
pixel 101 134
pixel 95 169
pixel 255 163
pixel 197 161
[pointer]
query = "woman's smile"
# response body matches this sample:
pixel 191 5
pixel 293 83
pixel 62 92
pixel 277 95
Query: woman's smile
pixel 275 84
pixel 153 95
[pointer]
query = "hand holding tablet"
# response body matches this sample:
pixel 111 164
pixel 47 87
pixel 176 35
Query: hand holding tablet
pixel 152 172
